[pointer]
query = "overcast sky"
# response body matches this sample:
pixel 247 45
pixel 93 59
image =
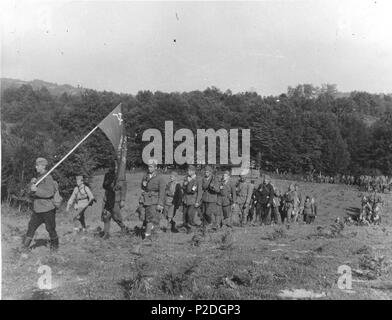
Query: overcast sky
pixel 181 46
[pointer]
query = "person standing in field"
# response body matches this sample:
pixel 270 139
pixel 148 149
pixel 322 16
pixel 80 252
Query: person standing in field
pixel 114 201
pixel 173 199
pixel 44 210
pixel 153 187
pixel 244 191
pixel 192 194
pixel 82 198
pixel 310 210
pixel 210 187
pixel 226 200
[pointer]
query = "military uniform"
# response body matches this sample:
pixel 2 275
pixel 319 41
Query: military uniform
pixel 173 199
pixel 192 194
pixel 81 196
pixel 115 193
pixel 44 210
pixel 289 199
pixel 244 191
pixel 153 187
pixel 275 215
pixel 225 199
pixel 297 204
pixel 264 198
pixel 309 211
pixel 210 187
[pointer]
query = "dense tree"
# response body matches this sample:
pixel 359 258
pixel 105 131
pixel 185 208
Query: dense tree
pixel 308 128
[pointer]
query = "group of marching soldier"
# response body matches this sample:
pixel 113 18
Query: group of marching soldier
pixel 214 201
pixel 210 201
pixel 375 183
pixel 364 182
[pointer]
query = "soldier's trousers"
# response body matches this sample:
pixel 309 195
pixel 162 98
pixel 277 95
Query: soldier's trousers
pixel 189 215
pixel 169 211
pixel 114 214
pixel 252 213
pixel 224 216
pixel 48 218
pixel 141 212
pixel 309 218
pixel 288 211
pixel 81 218
pixel 243 211
pixel 275 215
pixel 152 215
pixel 282 213
pixel 210 210
pixel 264 213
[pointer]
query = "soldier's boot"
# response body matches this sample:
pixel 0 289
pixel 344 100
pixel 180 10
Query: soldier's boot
pixel 54 244
pixel 121 224
pixel 26 244
pixel 106 230
pixel 124 229
pixel 173 226
pixel 165 226
pixel 148 231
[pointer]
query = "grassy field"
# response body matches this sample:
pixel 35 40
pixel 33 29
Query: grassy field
pixel 246 263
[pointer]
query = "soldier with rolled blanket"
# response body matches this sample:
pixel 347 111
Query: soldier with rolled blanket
pixel 192 195
pixel 226 200
pixel 153 186
pixel 114 201
pixel 173 201
pixel 244 191
pixel 210 186
pixel 44 211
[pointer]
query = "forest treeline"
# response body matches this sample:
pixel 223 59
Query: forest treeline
pixel 306 129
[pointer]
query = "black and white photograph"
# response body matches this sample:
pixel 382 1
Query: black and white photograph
pixel 196 152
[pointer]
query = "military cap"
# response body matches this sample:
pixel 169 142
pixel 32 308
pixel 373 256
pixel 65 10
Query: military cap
pixel 191 167
pixel 41 161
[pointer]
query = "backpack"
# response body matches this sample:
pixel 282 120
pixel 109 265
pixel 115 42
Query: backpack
pixel 57 198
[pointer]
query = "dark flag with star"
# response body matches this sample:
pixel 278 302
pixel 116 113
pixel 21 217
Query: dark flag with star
pixel 114 128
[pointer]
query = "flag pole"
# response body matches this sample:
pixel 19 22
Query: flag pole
pixel 73 149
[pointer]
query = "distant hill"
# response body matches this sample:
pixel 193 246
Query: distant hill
pixel 54 88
